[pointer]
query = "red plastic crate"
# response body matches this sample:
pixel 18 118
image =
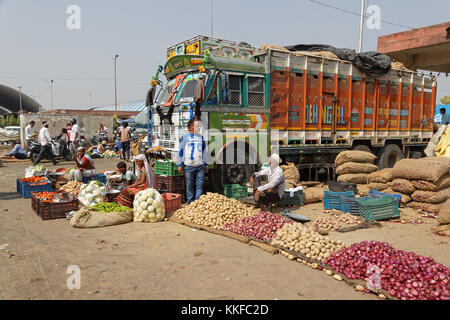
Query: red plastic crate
pixel 172 202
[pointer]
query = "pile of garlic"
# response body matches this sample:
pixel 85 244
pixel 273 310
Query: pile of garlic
pixel 298 238
pixel 214 210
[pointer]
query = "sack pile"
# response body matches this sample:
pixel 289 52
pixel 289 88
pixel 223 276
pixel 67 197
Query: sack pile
pixel 425 181
pixel 443 227
pixel 291 175
pixel 354 166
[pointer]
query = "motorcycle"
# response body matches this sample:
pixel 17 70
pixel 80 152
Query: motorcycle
pixel 59 149
pixel 99 138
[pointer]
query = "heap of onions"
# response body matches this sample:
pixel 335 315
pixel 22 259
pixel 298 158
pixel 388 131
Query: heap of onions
pixel 404 275
pixel 262 225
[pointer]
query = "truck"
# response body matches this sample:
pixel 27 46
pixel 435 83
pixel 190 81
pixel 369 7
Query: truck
pixel 306 107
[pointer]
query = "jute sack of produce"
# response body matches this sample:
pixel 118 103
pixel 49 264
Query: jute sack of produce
pixel 358 178
pixel 405 197
pixel 85 218
pixel 363 190
pixel 381 176
pixel 444 214
pixel 290 184
pixel 402 186
pixel 426 207
pixel 430 196
pixel 442 183
pixel 354 156
pixel 291 172
pixel 355 167
pixel 313 195
pixel 378 186
pixel 429 169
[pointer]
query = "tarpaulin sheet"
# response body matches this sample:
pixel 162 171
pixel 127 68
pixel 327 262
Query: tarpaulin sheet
pixel 373 63
pixel 442 149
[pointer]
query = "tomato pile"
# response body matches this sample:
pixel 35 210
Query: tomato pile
pixel 45 196
pixel 34 181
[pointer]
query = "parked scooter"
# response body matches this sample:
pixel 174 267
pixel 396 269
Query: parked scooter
pixel 59 149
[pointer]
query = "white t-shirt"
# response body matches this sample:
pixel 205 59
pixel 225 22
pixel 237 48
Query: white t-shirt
pixel 29 132
pixel 44 137
pixel 75 129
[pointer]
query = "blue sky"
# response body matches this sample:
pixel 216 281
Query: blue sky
pixel 37 45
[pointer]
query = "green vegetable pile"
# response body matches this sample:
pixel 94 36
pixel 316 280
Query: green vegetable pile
pixel 98 182
pixel 110 207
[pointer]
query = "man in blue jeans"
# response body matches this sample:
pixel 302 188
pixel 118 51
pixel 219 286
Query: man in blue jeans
pixel 194 156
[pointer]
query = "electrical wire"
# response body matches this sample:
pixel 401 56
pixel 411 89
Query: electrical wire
pixel 359 15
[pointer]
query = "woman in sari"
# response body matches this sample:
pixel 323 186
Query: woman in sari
pixel 145 180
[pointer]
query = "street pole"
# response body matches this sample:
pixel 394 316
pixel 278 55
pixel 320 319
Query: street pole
pixel 20 98
pixel 361 26
pixel 115 83
pixel 211 16
pixel 51 92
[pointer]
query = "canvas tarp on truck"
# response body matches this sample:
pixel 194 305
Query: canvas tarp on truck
pixel 6 135
pixel 372 63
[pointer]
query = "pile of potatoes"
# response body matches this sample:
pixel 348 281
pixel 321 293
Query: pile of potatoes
pixel 214 210
pixel 337 220
pixel 298 238
pixel 73 187
pixel 326 224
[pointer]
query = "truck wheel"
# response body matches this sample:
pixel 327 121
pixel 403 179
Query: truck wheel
pixel 362 147
pixel 389 156
pixel 416 155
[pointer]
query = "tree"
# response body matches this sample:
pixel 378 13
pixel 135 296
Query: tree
pixel 445 100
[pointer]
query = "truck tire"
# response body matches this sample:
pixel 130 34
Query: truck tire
pixel 390 154
pixel 362 147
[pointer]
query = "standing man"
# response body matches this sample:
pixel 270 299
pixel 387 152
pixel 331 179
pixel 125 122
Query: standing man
pixel 74 138
pixel 445 117
pixel 195 158
pixel 45 140
pixel 30 134
pixel 125 137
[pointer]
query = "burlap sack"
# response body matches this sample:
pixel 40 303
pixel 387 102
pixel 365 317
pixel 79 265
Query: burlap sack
pixel 378 186
pixel 402 186
pixel 354 156
pixel 405 197
pixel 355 167
pixel 290 184
pixel 426 207
pixel 363 190
pixel 291 172
pixel 443 230
pixel 358 178
pixel 313 195
pixel 324 54
pixel 430 196
pixel 444 214
pixel 429 169
pixel 381 176
pixel 442 183
pixel 272 46
pixel 97 219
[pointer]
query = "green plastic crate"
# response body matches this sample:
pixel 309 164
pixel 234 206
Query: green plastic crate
pixel 235 191
pixel 166 168
pixel 378 208
pixel 295 200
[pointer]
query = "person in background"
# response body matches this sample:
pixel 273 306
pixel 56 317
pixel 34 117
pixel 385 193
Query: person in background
pixel 445 117
pixel 68 128
pixel 273 190
pixel 145 179
pixel 194 156
pixel 84 166
pixel 125 136
pixel 17 151
pixel 97 152
pixel 30 134
pixel 126 179
pixel 45 140
pixel 102 130
pixel 74 137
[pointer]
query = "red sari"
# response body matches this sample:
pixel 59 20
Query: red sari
pixel 125 198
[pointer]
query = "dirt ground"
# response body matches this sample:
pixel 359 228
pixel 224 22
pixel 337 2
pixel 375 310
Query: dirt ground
pixel 167 260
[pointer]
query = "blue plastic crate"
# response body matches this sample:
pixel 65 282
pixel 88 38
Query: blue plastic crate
pixel 99 177
pixel 18 185
pixel 350 205
pixel 333 200
pixel 378 194
pixel 27 189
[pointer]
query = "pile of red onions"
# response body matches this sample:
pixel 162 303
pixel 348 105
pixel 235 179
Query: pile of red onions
pixel 262 225
pixel 404 275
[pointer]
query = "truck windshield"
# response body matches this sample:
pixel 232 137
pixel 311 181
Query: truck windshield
pixel 188 89
pixel 166 93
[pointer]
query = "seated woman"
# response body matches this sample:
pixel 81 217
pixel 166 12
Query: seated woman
pixel 97 152
pixel 127 177
pixel 145 179
pixel 84 166
pixel 273 190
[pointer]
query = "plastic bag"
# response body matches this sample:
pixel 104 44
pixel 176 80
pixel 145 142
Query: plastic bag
pixel 149 206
